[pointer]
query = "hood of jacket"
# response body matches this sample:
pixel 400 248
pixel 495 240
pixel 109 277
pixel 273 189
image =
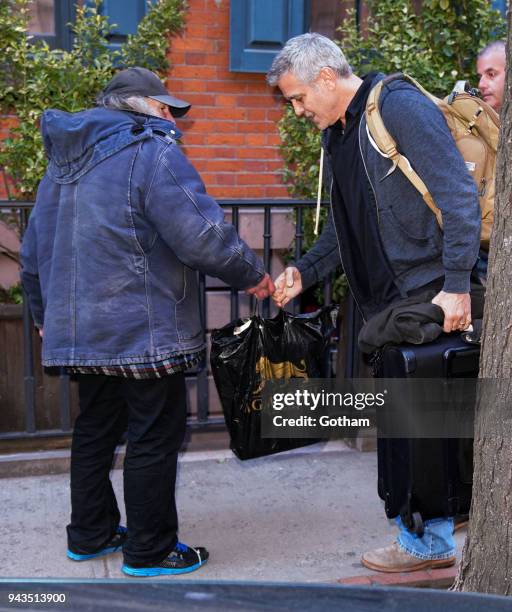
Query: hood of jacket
pixel 76 142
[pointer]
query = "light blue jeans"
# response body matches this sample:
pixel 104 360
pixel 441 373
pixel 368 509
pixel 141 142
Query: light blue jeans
pixel 436 543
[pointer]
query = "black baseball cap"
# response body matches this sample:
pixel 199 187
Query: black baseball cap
pixel 142 82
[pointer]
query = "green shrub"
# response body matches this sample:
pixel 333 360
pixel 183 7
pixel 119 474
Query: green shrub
pixel 437 46
pixel 14 295
pixel 34 77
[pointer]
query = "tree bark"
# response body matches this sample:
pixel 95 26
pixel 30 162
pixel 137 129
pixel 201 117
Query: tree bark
pixel 486 564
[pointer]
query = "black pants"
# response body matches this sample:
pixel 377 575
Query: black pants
pixel 153 412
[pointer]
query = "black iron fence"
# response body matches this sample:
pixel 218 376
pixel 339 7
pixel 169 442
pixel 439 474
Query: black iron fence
pixel 266 210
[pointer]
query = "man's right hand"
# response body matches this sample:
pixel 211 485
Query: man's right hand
pixel 263 289
pixel 456 308
pixel 288 285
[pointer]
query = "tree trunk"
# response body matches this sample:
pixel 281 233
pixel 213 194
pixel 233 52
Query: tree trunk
pixel 487 556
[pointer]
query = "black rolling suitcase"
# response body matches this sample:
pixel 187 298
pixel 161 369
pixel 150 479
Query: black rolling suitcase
pixel 424 478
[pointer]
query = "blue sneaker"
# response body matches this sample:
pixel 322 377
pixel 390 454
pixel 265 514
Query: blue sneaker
pixel 183 559
pixel 113 545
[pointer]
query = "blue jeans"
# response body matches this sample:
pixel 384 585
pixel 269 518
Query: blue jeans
pixel 436 543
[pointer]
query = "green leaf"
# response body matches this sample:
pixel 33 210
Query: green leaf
pixel 34 77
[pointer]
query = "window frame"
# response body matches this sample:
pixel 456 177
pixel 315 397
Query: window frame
pixel 64 17
pixel 254 56
pixel 64 14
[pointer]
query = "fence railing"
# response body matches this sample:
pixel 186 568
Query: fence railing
pixel 202 416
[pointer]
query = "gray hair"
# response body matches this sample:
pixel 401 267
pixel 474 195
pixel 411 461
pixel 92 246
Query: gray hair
pixel 305 56
pixel 137 104
pixel 496 45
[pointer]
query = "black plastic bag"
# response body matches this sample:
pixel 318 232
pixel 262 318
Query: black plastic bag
pixel 247 352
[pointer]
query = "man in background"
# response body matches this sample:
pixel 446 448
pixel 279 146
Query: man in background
pixel 490 67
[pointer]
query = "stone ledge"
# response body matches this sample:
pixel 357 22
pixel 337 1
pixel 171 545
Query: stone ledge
pixel 50 462
pixel 200 446
pixel 429 579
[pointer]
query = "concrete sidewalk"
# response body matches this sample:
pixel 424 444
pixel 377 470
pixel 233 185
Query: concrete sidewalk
pixel 302 516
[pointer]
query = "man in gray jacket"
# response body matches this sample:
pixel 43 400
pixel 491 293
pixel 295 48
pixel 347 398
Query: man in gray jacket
pixel 380 229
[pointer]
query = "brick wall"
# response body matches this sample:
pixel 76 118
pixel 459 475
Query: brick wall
pixel 230 134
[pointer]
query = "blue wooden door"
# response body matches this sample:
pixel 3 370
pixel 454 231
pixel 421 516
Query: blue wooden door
pixel 259 29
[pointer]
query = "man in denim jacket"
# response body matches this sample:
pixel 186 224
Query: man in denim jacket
pixel 121 225
pixel 380 229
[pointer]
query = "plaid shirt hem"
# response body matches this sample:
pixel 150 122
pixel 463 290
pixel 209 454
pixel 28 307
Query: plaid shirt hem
pixel 141 371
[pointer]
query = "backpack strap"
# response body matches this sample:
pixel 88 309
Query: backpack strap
pixel 381 139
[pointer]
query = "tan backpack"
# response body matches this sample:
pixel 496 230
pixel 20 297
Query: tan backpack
pixel 475 128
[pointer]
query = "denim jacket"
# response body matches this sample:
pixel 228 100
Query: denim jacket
pixel 121 224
